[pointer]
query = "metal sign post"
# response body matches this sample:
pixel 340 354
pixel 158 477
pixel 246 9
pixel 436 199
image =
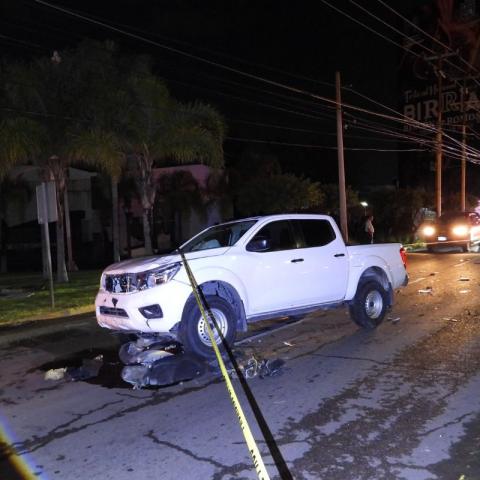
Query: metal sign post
pixel 47 212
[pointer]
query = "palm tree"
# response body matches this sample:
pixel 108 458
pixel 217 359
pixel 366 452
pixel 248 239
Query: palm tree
pixel 47 89
pixel 103 149
pixel 72 96
pixel 164 131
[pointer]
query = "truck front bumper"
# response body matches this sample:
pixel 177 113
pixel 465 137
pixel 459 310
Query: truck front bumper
pixel 153 310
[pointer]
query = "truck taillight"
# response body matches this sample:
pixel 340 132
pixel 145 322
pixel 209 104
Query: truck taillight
pixel 403 254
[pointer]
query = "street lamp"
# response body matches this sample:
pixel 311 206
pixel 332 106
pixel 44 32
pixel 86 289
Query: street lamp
pixel 364 205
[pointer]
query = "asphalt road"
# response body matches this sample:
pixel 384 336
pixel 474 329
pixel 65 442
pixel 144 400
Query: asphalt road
pixel 401 402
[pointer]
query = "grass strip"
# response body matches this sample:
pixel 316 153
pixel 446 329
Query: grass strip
pixel 26 296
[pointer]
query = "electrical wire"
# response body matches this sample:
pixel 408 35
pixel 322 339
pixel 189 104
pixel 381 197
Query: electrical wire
pixel 225 67
pixel 429 50
pixel 470 66
pixel 256 77
pixel 324 147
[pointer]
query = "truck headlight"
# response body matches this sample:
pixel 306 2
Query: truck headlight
pixel 152 278
pixel 460 230
pixel 428 231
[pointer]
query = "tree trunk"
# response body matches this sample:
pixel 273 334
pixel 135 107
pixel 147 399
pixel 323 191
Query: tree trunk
pixel 146 232
pixel 115 228
pixel 62 275
pixel 3 245
pixel 72 267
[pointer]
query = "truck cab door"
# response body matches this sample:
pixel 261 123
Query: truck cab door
pixel 323 271
pixel 271 271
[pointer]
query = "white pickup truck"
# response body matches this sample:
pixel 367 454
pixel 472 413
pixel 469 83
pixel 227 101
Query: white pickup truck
pixel 248 270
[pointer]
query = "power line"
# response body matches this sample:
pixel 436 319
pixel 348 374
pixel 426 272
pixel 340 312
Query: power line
pixel 324 147
pixel 366 26
pixel 428 35
pixel 429 50
pixel 225 67
pixel 239 72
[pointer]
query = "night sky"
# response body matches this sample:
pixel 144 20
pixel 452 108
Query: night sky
pixel 299 44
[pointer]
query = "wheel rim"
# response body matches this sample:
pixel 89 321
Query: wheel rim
pixel 222 323
pixel 373 304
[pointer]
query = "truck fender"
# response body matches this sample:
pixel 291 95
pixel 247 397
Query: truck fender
pixel 226 286
pixel 372 268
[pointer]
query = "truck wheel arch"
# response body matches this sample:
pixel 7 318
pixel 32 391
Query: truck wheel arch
pixel 378 274
pixel 227 292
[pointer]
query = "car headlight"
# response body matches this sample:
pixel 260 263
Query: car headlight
pixel 460 230
pixel 158 276
pixel 428 231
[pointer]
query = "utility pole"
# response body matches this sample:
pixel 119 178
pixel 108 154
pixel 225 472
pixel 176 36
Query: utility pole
pixel 438 151
pixel 341 164
pixel 463 177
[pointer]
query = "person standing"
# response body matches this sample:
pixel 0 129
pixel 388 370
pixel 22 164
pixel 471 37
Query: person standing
pixel 369 230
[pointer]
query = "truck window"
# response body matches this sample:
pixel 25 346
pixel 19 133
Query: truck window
pixel 314 233
pixel 279 234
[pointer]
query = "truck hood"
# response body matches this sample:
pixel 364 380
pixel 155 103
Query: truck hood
pixel 137 265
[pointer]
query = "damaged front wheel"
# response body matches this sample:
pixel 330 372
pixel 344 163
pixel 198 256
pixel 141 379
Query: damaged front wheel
pixel 194 332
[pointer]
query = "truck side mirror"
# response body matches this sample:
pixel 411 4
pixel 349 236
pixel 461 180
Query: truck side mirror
pixel 259 244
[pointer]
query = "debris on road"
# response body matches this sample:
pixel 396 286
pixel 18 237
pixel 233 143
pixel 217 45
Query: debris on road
pixel 168 370
pixel 426 290
pixel 262 368
pixel 463 279
pixel 394 319
pixel 288 344
pixel 55 374
pixel 139 352
pixel 464 291
pixel 88 369
pixel 271 368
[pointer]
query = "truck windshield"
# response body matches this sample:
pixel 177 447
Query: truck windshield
pixel 218 236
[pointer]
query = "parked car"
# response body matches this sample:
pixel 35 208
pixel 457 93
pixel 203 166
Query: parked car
pixel 458 229
pixel 249 270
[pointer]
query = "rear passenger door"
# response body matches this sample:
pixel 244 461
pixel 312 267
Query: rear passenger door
pixel 323 262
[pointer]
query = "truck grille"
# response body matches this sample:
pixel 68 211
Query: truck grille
pixel 116 312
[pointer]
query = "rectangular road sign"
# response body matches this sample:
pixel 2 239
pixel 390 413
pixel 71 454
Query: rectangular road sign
pixel 51 207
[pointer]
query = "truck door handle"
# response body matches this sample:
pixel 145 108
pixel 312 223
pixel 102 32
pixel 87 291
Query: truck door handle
pixel 296 260
pixel 339 255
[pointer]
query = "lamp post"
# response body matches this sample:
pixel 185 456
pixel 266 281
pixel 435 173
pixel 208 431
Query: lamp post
pixel 364 205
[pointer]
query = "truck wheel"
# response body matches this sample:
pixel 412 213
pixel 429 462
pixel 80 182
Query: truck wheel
pixel 194 333
pixel 369 305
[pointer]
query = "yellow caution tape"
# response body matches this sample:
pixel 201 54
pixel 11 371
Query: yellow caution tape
pixel 18 463
pixel 251 444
